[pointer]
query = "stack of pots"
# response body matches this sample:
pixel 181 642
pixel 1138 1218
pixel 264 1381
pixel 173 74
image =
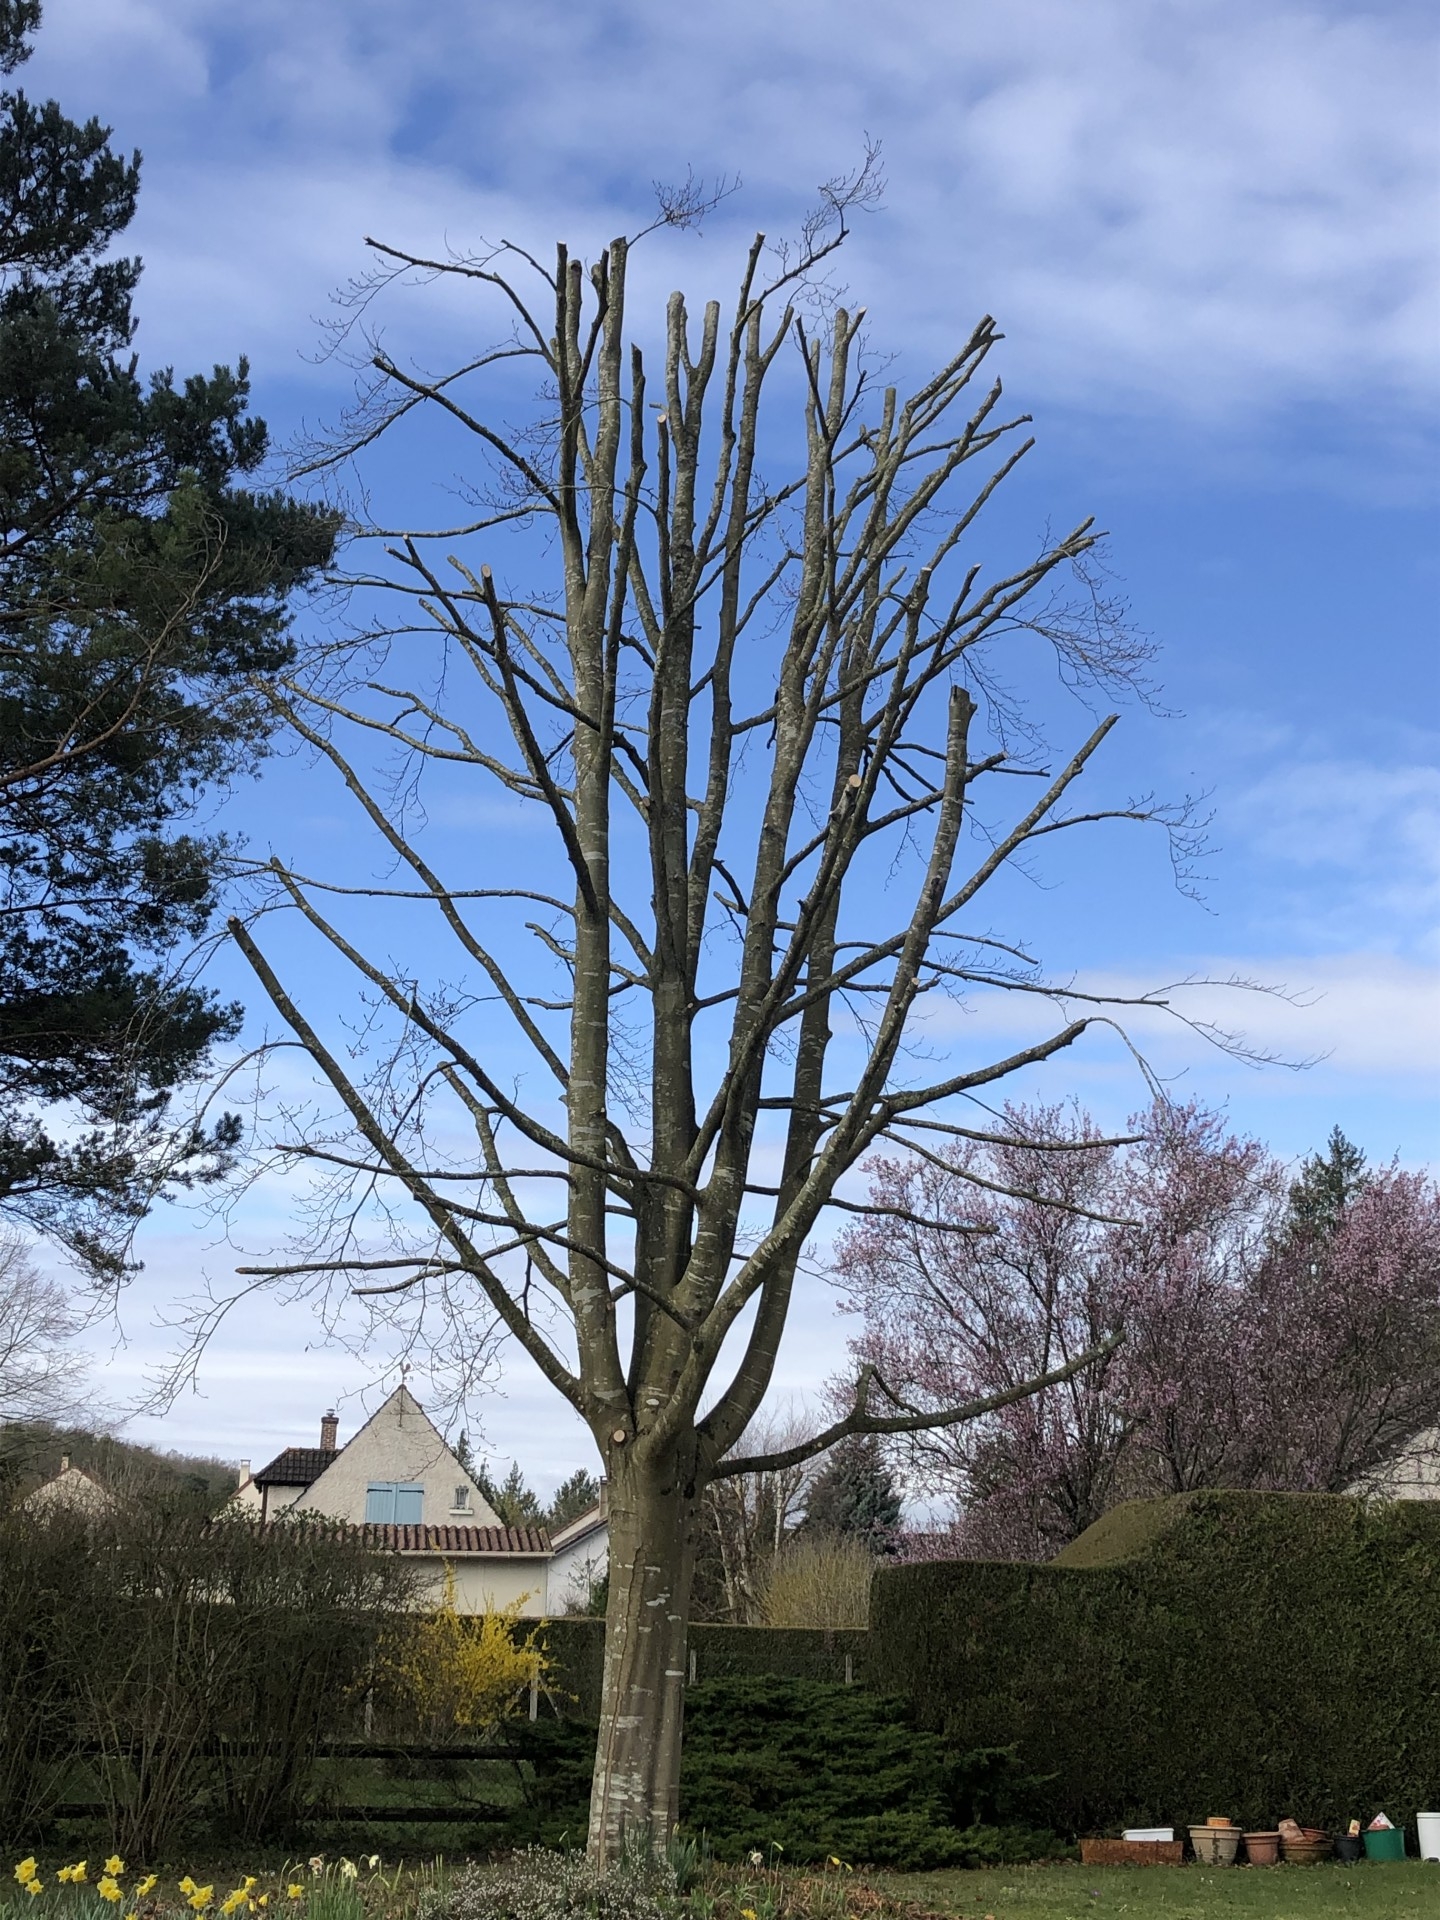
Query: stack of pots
pixel 1302 1845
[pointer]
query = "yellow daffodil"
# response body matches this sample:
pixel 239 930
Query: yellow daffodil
pixel 201 1898
pixel 34 1886
pixel 132 1916
pixel 187 1885
pixel 26 1871
pixel 108 1888
pixel 295 1891
pixel 114 1865
pixel 150 1881
pixel 263 1901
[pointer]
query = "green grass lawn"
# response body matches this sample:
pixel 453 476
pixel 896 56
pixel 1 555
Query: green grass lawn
pixel 1367 1892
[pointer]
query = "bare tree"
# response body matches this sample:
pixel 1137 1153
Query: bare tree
pixel 762 721
pixel 40 1372
pixel 751 1513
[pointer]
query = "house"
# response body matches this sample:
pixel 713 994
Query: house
pixel 399 1480
pixel 71 1487
pixel 1411 1474
pixel 579 1559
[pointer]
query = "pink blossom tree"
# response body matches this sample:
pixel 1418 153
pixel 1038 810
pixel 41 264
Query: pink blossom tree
pixel 1348 1337
pixel 1265 1345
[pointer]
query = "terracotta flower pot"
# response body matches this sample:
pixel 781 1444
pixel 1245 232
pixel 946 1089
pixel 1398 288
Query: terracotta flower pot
pixel 1215 1846
pixel 1262 1849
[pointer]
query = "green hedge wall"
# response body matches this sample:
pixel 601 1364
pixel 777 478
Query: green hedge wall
pixel 577 1646
pixel 1254 1655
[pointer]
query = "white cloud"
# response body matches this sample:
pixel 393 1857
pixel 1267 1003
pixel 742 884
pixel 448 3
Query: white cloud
pixel 1345 847
pixel 1361 1015
pixel 1209 208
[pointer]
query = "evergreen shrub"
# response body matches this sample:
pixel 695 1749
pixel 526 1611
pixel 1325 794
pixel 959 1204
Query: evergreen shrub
pixel 1255 1655
pixel 809 1767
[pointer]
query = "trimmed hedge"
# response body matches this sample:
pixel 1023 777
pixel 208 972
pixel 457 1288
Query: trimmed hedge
pixel 576 1644
pixel 1248 1654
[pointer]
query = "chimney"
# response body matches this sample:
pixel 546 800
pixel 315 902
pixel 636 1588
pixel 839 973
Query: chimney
pixel 329 1432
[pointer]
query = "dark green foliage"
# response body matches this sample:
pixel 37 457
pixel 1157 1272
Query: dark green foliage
pixel 1327 1184
pixel 517 1504
pixel 854 1493
pixel 822 1769
pixel 31 1451
pixel 573 1497
pixel 814 1768
pixel 143 585
pixel 1256 1654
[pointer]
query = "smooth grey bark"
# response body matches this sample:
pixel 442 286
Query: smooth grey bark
pixel 770 901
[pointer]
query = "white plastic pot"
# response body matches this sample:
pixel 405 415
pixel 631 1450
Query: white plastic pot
pixel 1429 1825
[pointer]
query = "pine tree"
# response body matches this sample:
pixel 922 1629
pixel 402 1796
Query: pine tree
pixel 1327 1183
pixel 573 1497
pixel 142 589
pixel 514 1502
pixel 855 1495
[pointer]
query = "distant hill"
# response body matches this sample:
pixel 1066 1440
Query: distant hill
pixel 31 1451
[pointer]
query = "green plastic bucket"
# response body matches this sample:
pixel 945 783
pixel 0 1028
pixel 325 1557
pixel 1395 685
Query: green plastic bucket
pixel 1385 1843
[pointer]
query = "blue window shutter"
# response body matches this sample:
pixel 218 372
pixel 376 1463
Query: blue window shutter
pixel 408 1504
pixel 380 1504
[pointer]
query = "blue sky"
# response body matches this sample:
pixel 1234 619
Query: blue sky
pixel 1209 233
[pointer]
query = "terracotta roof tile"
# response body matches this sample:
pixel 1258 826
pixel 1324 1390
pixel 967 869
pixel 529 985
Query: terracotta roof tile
pixel 443 1539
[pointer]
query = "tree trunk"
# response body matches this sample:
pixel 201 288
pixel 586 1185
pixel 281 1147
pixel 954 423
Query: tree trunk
pixel 653 1516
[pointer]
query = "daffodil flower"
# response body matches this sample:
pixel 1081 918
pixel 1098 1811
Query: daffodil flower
pixel 114 1865
pixel 26 1871
pixel 34 1886
pixel 151 1880
pixel 108 1888
pixel 201 1898
pixel 187 1885
pixel 295 1891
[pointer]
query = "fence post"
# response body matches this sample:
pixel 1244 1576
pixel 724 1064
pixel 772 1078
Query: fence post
pixel 534 1696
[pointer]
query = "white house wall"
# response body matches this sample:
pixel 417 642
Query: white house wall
pixel 484 1586
pixel 573 1570
pixel 1413 1474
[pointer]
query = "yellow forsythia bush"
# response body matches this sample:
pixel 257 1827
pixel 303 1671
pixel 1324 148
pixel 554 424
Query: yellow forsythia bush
pixel 455 1673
